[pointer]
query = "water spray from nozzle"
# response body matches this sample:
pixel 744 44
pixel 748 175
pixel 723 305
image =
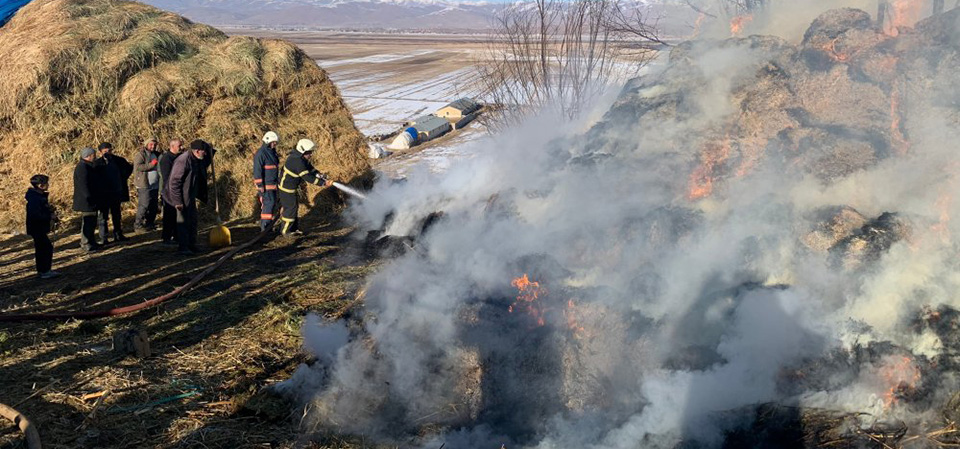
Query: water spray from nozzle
pixel 349 191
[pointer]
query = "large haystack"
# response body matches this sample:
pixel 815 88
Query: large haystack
pixel 78 72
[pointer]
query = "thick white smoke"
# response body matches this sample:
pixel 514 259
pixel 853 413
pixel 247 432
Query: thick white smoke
pixel 663 315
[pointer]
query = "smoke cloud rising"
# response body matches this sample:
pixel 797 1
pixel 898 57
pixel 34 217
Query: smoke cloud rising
pixel 676 273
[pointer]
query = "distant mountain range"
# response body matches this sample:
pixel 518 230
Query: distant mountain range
pixel 424 15
pixel 338 14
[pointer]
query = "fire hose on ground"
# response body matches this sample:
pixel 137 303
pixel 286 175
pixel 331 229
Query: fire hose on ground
pixel 152 302
pixel 21 421
pixel 128 309
pixel 27 427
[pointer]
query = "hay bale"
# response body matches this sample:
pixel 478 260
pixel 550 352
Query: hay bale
pixel 871 241
pixel 86 71
pixel 833 225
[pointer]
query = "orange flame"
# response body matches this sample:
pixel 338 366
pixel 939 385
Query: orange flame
pixel 573 322
pixel 528 297
pixel 904 13
pixel 702 178
pixel 737 24
pixel 942 228
pixel 900 144
pixel 831 49
pixel 697 25
pixel 944 200
pixel 900 374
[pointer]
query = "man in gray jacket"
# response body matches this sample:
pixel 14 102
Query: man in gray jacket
pixel 181 191
pixel 147 180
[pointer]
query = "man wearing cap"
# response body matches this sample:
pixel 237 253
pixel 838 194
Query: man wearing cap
pixel 297 168
pixel 114 172
pixel 168 235
pixel 87 198
pixel 266 176
pixel 181 191
pixel 147 180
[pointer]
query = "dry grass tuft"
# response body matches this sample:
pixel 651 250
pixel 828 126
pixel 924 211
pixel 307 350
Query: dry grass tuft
pixel 79 72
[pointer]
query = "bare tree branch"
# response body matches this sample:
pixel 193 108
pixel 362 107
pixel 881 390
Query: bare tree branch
pixel 699 10
pixel 561 54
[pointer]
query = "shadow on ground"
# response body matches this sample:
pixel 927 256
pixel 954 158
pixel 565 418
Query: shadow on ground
pixel 213 348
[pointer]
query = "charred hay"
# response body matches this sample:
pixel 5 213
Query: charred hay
pixel 834 104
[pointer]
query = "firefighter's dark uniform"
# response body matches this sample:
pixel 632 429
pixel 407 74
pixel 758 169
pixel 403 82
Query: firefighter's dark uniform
pixel 295 170
pixel 266 175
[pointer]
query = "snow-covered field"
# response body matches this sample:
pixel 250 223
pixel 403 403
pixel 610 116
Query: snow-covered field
pixel 388 79
pixel 384 91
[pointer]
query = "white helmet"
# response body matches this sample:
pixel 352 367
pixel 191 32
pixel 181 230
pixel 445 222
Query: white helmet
pixel 305 146
pixel 270 137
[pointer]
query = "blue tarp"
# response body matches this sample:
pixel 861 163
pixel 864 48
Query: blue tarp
pixel 9 7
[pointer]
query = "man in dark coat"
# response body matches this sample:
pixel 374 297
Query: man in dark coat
pixel 40 219
pixel 266 176
pixel 115 172
pixel 168 234
pixel 147 180
pixel 87 197
pixel 186 177
pixel 297 169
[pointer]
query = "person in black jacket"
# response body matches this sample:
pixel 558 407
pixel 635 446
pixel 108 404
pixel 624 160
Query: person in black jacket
pixel 297 168
pixel 168 234
pixel 87 197
pixel 40 219
pixel 115 172
pixel 182 192
pixel 266 176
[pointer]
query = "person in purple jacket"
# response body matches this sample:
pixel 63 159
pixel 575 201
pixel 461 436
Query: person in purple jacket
pixel 186 176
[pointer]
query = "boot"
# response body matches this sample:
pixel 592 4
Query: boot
pixel 119 237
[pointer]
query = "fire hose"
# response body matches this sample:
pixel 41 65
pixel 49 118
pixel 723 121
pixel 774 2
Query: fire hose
pixel 128 309
pixel 29 431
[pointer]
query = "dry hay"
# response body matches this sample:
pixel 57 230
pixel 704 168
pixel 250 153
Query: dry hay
pixel 78 72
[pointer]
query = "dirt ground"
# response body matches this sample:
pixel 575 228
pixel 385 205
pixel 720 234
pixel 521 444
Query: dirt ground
pixel 214 348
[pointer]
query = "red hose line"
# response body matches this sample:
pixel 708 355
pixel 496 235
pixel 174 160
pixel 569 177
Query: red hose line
pixel 13 318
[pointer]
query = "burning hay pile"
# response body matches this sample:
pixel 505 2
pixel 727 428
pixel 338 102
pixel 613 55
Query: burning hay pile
pixel 753 248
pixel 79 72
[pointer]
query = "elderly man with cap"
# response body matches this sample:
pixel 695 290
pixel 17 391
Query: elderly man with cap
pixel 297 168
pixel 266 176
pixel 181 192
pixel 114 171
pixel 87 197
pixel 147 180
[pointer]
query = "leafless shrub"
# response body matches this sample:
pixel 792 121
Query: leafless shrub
pixel 559 54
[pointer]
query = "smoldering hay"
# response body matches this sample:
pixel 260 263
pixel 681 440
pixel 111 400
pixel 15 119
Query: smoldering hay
pixel 759 223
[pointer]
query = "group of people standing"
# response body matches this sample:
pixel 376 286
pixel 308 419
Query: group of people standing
pixel 100 186
pixel 174 178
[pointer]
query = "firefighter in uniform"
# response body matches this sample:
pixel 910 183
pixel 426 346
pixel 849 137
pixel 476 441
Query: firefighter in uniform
pixel 266 175
pixel 297 168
